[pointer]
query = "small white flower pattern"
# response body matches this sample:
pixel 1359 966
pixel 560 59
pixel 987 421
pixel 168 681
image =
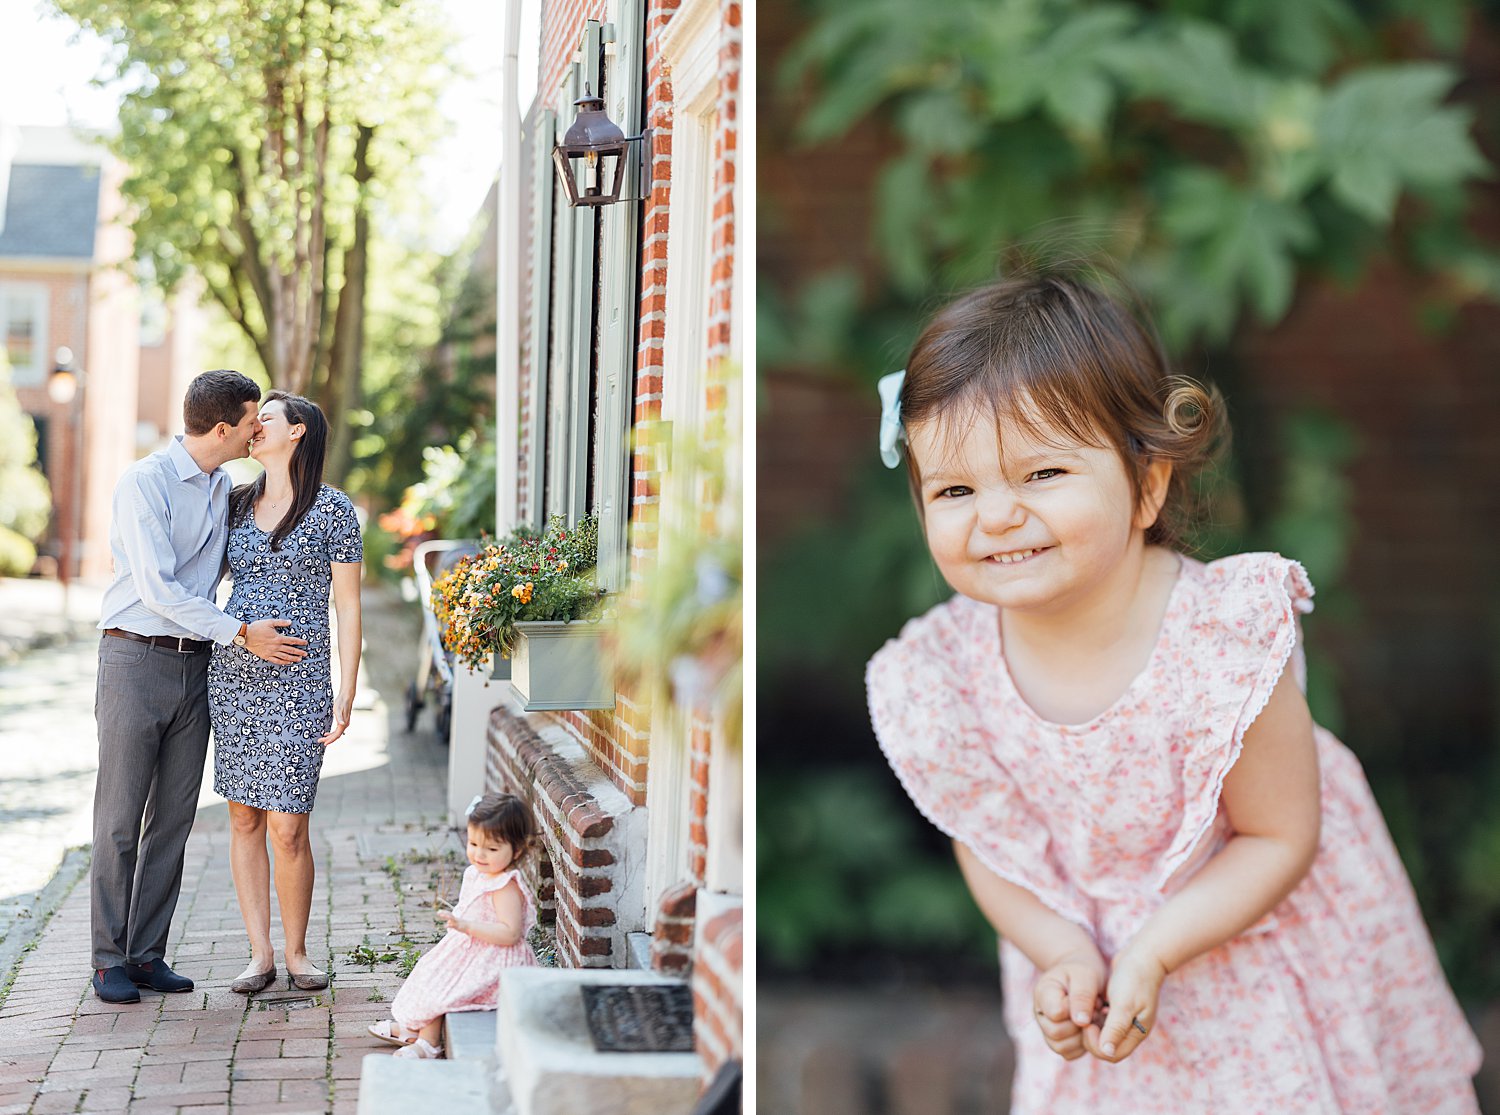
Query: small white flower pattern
pixel 267 717
pixel 1333 1002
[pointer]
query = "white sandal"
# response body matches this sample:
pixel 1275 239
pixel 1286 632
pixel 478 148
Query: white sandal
pixel 386 1029
pixel 420 1050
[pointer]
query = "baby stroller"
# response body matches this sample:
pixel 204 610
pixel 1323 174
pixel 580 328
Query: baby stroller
pixel 431 560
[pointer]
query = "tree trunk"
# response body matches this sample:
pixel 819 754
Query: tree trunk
pixel 347 354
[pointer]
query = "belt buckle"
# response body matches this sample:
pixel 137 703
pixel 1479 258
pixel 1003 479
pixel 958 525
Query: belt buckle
pixel 180 648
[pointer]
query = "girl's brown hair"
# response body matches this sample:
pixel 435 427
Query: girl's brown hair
pixel 504 817
pixel 1054 354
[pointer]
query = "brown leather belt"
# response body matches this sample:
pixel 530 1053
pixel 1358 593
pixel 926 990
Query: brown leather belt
pixel 171 642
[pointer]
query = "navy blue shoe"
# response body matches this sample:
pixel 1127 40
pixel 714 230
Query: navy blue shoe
pixel 114 986
pixel 157 976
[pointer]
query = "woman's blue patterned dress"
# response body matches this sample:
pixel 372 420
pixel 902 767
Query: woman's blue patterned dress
pixel 267 717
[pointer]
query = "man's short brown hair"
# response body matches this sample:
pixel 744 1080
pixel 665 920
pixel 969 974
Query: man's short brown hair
pixel 217 396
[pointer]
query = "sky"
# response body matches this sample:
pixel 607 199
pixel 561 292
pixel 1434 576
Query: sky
pixel 45 74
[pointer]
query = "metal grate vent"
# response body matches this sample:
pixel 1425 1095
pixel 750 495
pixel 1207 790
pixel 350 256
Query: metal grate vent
pixel 655 1018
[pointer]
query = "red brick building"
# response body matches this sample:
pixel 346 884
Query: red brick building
pixel 62 241
pixel 627 350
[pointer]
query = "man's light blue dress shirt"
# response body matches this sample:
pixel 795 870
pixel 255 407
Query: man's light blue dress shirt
pixel 167 535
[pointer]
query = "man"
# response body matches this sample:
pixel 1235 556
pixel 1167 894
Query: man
pixel 168 534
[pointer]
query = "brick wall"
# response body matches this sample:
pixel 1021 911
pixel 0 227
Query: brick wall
pixel 717 991
pixel 1425 408
pixel 113 361
pixel 593 847
pixel 586 879
pixel 67 325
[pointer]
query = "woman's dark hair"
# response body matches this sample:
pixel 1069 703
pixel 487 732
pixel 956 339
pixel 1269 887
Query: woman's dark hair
pixel 1052 353
pixel 306 467
pixel 214 397
pixel 504 817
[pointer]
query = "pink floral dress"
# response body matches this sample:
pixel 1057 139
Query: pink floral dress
pixel 1333 1002
pixel 462 973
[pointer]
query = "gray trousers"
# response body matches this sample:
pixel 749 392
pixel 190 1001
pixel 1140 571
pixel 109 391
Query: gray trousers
pixel 151 705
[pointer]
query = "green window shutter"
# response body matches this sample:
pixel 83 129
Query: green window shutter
pixel 618 310
pixel 559 395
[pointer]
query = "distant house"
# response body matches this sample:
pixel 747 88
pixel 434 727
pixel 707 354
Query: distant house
pixel 62 285
pixel 619 346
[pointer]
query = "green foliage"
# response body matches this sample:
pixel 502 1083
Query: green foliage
pixel 1218 160
pixel 881 560
pixel 431 387
pixel 679 632
pixel 25 500
pixel 457 490
pixel 369 957
pixel 410 954
pixel 241 129
pixel 836 870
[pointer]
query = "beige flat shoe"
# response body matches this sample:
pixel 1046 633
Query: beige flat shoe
pixel 254 981
pixel 306 981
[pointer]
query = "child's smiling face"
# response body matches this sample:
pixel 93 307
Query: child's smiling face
pixel 1028 522
pixel 488 853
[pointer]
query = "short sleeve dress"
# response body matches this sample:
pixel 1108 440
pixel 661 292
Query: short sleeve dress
pixel 1334 1002
pixel 462 973
pixel 267 717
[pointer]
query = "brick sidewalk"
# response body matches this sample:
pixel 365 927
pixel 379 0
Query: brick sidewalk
pixel 378 817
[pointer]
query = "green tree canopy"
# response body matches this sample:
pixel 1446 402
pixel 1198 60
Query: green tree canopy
pixel 1218 159
pixel 256 137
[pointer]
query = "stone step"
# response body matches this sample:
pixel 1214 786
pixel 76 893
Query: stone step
pixel 551 1066
pixel 470 1036
pixel 396 1086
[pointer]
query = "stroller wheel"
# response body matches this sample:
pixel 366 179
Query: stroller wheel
pixel 444 718
pixel 413 705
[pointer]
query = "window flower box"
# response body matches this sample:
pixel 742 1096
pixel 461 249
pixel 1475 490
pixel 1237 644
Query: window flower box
pixel 561 665
pixel 482 601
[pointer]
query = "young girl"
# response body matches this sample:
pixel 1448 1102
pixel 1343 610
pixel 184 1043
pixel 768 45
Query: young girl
pixel 487 930
pixel 1199 904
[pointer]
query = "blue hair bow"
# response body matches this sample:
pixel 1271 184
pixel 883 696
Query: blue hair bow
pixel 890 417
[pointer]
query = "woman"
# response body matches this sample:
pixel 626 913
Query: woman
pixel 290 537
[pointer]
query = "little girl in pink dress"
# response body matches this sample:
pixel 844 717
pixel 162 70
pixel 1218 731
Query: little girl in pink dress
pixel 487 931
pixel 1200 907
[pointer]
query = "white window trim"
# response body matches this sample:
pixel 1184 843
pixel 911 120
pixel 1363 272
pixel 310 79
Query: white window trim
pixel 689 46
pixel 36 294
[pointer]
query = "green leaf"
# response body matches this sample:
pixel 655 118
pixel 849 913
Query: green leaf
pixel 939 122
pixel 1195 68
pixel 1237 237
pixel 903 193
pixel 1385 129
pixel 1302 35
pixel 1079 89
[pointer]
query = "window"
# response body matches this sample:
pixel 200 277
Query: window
pixel 23 331
pixel 584 309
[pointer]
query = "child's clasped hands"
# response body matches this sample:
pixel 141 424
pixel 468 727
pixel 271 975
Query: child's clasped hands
pixel 1078 1012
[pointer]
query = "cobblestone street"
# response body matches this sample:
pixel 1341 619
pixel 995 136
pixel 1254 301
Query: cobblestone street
pixel 382 853
pixel 48 756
